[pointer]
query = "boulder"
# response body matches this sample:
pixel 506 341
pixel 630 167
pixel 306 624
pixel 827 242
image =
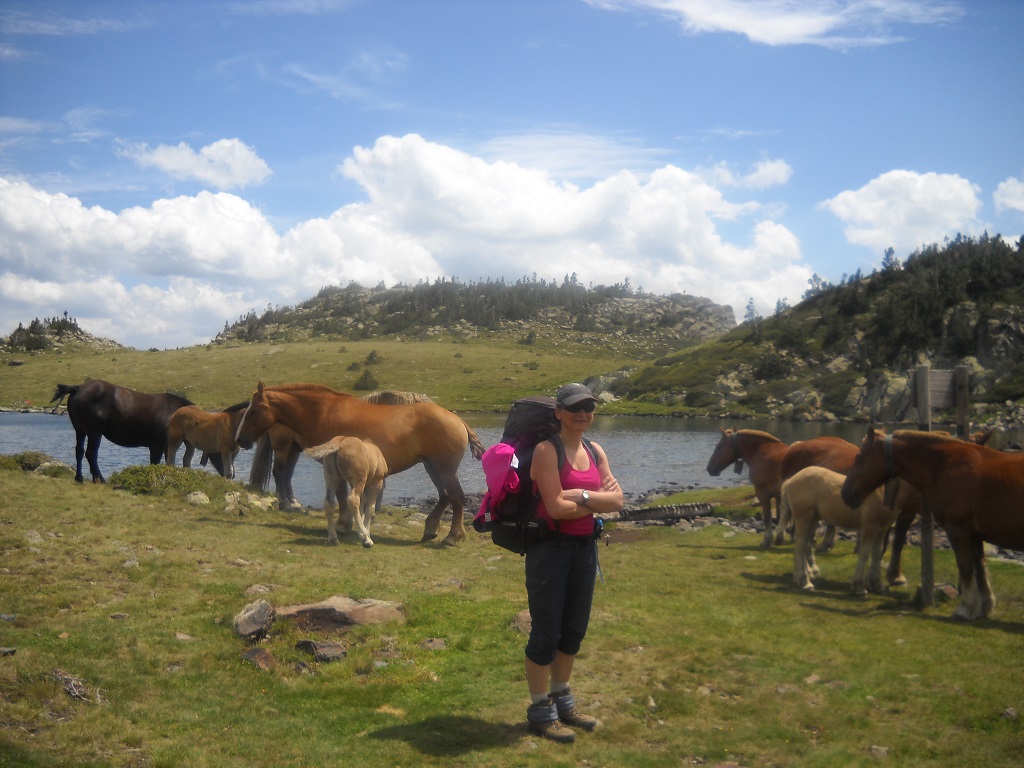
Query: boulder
pixel 339 612
pixel 253 622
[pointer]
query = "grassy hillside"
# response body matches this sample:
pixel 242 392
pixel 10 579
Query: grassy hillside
pixel 480 374
pixel 962 302
pixel 479 346
pixel 117 619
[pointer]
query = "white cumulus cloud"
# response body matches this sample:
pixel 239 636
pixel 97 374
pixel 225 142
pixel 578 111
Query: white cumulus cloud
pixel 224 164
pixel 906 210
pixel 1009 195
pixel 172 273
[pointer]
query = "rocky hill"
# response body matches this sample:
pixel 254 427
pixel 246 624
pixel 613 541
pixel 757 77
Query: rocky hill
pixel 54 333
pixel 846 351
pixel 643 322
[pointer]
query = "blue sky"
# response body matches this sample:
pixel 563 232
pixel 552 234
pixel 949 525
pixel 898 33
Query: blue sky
pixel 167 166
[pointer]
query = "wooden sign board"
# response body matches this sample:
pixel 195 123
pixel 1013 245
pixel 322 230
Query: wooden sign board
pixel 941 389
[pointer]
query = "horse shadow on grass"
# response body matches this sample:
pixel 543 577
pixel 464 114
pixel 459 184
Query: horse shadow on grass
pixel 452 735
pixel 308 533
pixel 912 609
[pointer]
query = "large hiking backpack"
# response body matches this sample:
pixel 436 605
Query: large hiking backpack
pixel 509 507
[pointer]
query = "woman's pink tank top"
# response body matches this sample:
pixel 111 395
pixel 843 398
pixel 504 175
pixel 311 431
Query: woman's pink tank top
pixel 590 479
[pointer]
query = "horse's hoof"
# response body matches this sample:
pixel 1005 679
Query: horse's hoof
pixel 899 581
pixel 332 542
pixel 448 541
pixel 428 536
pixel 808 587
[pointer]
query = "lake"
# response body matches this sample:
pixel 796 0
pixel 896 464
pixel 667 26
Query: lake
pixel 645 453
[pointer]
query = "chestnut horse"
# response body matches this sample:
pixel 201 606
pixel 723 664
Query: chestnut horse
pixel 211 433
pixel 771 462
pixel 311 414
pixel 286 447
pixel 974 492
pixel 354 472
pixel 132 419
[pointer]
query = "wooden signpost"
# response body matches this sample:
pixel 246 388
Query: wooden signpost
pixel 937 389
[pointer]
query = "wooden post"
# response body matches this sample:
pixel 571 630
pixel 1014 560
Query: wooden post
pixel 922 382
pixel 961 388
pixel 922 385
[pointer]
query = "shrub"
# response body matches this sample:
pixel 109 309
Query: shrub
pixel 29 461
pixel 366 382
pixel 157 479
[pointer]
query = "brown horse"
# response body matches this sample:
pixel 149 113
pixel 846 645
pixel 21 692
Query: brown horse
pixel 124 416
pixel 312 414
pixel 354 472
pixel 771 462
pixel 974 492
pixel 212 433
pixel 813 494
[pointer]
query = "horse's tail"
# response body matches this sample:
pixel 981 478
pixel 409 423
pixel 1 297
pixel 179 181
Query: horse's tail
pixel 64 389
pixel 474 442
pixel 262 464
pixel 318 452
pixel 785 511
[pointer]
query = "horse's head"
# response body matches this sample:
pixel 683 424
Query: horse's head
pixel 725 453
pixel 871 467
pixel 256 419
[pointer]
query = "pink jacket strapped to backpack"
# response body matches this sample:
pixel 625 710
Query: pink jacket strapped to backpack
pixel 500 463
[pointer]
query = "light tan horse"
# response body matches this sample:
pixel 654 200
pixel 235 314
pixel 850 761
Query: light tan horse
pixel 312 414
pixel 813 494
pixel 975 493
pixel 354 471
pixel 210 432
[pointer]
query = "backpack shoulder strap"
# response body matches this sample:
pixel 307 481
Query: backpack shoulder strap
pixel 556 441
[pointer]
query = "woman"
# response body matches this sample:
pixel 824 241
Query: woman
pixel 562 567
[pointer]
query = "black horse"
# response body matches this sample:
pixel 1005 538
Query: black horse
pixel 132 419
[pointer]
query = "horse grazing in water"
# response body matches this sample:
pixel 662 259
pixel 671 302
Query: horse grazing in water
pixel 311 414
pixel 212 433
pixel 813 494
pixel 771 462
pixel 975 493
pixel 132 419
pixel 354 471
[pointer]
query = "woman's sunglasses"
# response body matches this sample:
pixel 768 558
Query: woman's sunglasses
pixel 587 406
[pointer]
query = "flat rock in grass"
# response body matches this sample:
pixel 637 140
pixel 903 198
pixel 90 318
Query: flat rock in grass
pixel 523 622
pixel 253 621
pixel 339 612
pixel 260 657
pixel 323 651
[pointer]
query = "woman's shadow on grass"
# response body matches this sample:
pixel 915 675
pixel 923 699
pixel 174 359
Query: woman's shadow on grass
pixel 452 735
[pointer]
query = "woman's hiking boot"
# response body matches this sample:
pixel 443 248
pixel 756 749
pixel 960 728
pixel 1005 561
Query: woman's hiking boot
pixel 543 721
pixel 565 705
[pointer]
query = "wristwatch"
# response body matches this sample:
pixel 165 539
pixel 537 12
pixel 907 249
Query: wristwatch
pixel 586 497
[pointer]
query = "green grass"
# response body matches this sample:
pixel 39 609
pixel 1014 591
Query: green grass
pixel 481 374
pixel 700 651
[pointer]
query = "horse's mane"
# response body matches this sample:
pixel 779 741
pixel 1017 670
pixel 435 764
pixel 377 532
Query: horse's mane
pixel 393 397
pixel 302 387
pixel 928 437
pixel 237 407
pixel 757 433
